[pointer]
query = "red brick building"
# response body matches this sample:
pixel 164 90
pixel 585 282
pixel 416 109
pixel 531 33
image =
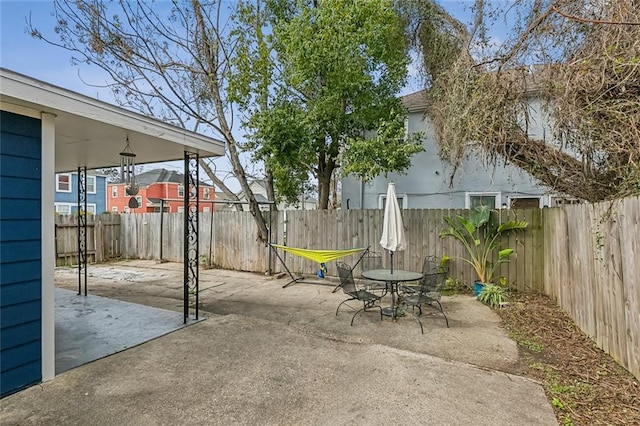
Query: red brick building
pixel 159 187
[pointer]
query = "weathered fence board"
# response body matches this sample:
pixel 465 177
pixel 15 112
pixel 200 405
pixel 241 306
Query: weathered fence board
pixel 103 238
pixel 591 268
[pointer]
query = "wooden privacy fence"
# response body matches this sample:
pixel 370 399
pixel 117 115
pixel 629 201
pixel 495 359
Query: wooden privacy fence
pixel 592 268
pixel 341 229
pixel 226 240
pixel 103 239
pixel 229 240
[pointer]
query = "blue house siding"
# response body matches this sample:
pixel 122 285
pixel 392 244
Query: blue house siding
pixel 98 199
pixel 20 252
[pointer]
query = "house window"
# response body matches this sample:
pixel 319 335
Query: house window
pixel 489 199
pixel 180 190
pixel 206 209
pixel 564 201
pixel 127 209
pixel 524 202
pixel 62 208
pixel 114 191
pixel 114 209
pixel 403 201
pixel 91 184
pixel 180 209
pixel 69 208
pixel 139 200
pixel 63 183
pixel 206 193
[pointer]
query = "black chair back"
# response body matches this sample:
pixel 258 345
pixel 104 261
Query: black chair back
pixel 371 260
pixel 432 284
pixel 347 282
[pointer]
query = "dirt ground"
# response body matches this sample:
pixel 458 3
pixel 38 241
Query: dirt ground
pixel 584 385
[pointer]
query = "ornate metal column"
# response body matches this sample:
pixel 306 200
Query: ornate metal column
pixel 82 229
pixel 191 227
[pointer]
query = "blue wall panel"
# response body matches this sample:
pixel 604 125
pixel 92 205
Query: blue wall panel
pixel 19 209
pixel 17 293
pixel 16 378
pixel 20 252
pixel 27 271
pixel 19 355
pixel 19 229
pixel 19 188
pixel 21 334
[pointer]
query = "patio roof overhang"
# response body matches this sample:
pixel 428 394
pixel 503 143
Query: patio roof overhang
pixel 92 133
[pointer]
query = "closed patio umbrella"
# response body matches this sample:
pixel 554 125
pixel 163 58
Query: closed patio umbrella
pixel 393 238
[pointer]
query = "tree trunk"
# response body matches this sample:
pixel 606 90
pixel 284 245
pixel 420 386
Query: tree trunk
pixel 220 184
pixel 325 173
pixel 271 193
pixel 210 51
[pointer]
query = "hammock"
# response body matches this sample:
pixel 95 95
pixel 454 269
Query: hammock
pixel 320 256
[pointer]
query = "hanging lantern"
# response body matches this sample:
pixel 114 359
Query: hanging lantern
pixel 127 166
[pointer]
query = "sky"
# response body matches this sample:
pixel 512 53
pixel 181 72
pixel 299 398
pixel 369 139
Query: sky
pixel 21 53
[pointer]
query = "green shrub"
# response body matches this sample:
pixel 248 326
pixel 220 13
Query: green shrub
pixel 493 295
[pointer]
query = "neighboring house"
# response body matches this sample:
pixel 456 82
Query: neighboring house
pixel 65 199
pixel 259 189
pixel 426 184
pixel 157 188
pixel 44 130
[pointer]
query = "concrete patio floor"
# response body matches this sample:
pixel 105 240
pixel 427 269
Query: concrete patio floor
pixel 92 327
pixel 267 355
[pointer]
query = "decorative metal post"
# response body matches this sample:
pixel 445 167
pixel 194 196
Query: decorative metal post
pixel 161 226
pixel 191 227
pixel 82 229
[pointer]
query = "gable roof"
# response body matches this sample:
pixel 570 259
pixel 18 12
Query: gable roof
pixel 528 79
pixel 416 101
pixel 162 176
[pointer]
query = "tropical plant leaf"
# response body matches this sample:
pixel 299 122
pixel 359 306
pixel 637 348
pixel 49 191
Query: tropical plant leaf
pixel 470 227
pixel 512 225
pixel 504 254
pixel 481 242
pixel 480 215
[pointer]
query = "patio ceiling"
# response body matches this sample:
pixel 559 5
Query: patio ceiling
pixel 92 133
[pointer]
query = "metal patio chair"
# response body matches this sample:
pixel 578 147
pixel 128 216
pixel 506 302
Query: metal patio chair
pixel 348 285
pixel 430 265
pixel 428 292
pixel 372 260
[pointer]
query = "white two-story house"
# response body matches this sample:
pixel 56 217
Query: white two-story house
pixel 427 184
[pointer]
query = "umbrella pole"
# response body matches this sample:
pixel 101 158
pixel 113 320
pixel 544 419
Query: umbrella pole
pixel 393 298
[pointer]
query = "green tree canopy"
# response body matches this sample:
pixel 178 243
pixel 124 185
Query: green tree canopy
pixel 340 65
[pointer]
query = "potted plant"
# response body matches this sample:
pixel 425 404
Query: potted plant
pixel 481 239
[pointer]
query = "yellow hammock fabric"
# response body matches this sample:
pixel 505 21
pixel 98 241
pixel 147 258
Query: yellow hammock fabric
pixel 320 256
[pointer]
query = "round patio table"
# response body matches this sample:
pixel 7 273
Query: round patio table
pixel 391 278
